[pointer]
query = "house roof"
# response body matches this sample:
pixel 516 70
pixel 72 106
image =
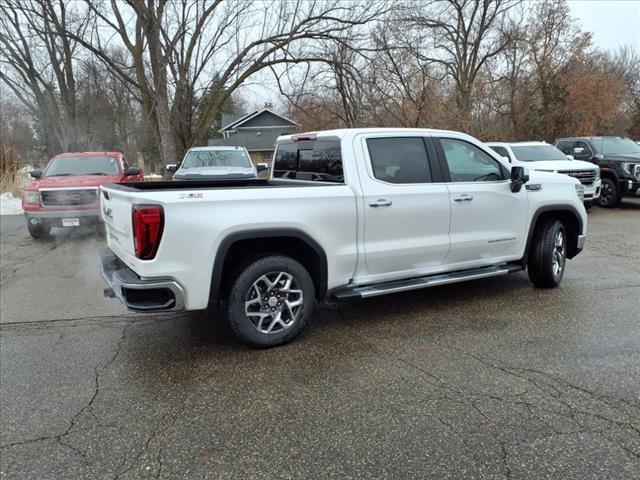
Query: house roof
pixel 228 118
pixel 251 140
pixel 274 120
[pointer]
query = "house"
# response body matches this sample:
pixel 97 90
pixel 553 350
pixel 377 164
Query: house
pixel 256 131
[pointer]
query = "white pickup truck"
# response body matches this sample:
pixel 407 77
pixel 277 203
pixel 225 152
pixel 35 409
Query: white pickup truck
pixel 348 213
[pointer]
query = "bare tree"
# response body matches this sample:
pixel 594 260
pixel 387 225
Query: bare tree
pixel 553 42
pixel 461 35
pixel 403 88
pixel 39 64
pixel 206 50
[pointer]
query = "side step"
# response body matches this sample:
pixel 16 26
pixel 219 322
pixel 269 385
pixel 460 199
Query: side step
pixel 425 282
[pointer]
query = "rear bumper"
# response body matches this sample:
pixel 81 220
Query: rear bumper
pixel 136 293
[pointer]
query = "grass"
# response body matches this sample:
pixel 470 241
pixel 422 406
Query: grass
pixel 10 180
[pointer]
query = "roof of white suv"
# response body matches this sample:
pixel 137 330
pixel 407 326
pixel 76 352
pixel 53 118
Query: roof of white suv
pixel 523 144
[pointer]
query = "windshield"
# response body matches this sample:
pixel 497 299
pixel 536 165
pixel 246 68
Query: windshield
pixel 217 158
pixel 611 146
pixel 537 153
pixel 65 166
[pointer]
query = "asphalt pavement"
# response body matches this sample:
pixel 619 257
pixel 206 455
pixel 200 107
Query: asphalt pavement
pixel 487 379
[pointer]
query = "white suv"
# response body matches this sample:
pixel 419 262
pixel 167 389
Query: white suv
pixel 547 158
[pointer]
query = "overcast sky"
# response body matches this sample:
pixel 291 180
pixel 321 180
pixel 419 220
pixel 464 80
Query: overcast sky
pixel 614 23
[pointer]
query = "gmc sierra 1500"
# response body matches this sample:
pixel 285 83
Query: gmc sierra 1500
pixel 348 213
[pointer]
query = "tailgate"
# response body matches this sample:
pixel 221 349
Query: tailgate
pixel 115 208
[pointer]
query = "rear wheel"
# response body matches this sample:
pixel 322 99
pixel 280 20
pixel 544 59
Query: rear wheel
pixel 548 255
pixel 39 230
pixel 609 194
pixel 270 301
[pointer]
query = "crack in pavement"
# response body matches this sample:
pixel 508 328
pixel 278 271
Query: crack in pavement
pixel 155 432
pixel 88 406
pixel 551 387
pixel 27 262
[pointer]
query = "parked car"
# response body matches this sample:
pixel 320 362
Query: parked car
pixel 211 163
pixel 66 193
pixel 547 158
pixel 406 209
pixel 619 162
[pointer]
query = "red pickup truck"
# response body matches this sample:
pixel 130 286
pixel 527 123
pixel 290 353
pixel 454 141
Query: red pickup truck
pixel 66 193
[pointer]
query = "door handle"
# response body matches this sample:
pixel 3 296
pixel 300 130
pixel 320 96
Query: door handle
pixel 463 198
pixel 381 203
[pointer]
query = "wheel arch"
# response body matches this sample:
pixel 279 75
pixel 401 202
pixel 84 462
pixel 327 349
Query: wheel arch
pixel 238 249
pixel 569 217
pixel 609 172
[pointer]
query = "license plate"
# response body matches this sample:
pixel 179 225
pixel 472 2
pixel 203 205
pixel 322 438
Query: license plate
pixel 70 222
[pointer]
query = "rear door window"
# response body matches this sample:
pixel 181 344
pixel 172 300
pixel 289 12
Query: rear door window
pixel 316 160
pixel 399 159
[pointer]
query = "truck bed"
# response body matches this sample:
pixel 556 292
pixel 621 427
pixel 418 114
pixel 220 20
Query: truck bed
pixel 208 184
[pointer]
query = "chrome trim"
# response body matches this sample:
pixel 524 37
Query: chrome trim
pixel 581 240
pixel 116 283
pixel 432 281
pixel 42 204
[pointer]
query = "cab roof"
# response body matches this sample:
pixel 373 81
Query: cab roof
pixel 89 154
pixel 343 132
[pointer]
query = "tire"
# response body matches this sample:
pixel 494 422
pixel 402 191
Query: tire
pixel 39 231
pixel 272 323
pixel 588 205
pixel 548 255
pixel 610 196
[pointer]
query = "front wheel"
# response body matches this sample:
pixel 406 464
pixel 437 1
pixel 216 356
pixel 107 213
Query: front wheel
pixel 548 255
pixel 609 194
pixel 270 301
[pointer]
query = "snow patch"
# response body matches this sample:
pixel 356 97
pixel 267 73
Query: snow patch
pixel 10 205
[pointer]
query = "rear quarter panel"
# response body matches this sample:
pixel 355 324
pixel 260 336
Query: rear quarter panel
pixel 196 223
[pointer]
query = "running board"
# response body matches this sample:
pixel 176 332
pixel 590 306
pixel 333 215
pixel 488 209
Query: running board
pixel 425 282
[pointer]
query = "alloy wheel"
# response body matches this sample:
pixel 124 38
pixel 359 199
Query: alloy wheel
pixel 558 257
pixel 606 194
pixel 274 302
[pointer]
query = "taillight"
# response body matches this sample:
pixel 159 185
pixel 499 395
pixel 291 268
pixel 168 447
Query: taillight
pixel 148 223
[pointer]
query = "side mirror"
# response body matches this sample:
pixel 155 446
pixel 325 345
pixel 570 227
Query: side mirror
pixel 519 177
pixel 172 168
pixel 131 171
pixel 570 157
pixel 37 173
pixel 262 167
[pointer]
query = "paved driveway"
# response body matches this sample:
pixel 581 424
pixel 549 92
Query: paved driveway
pixel 491 379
